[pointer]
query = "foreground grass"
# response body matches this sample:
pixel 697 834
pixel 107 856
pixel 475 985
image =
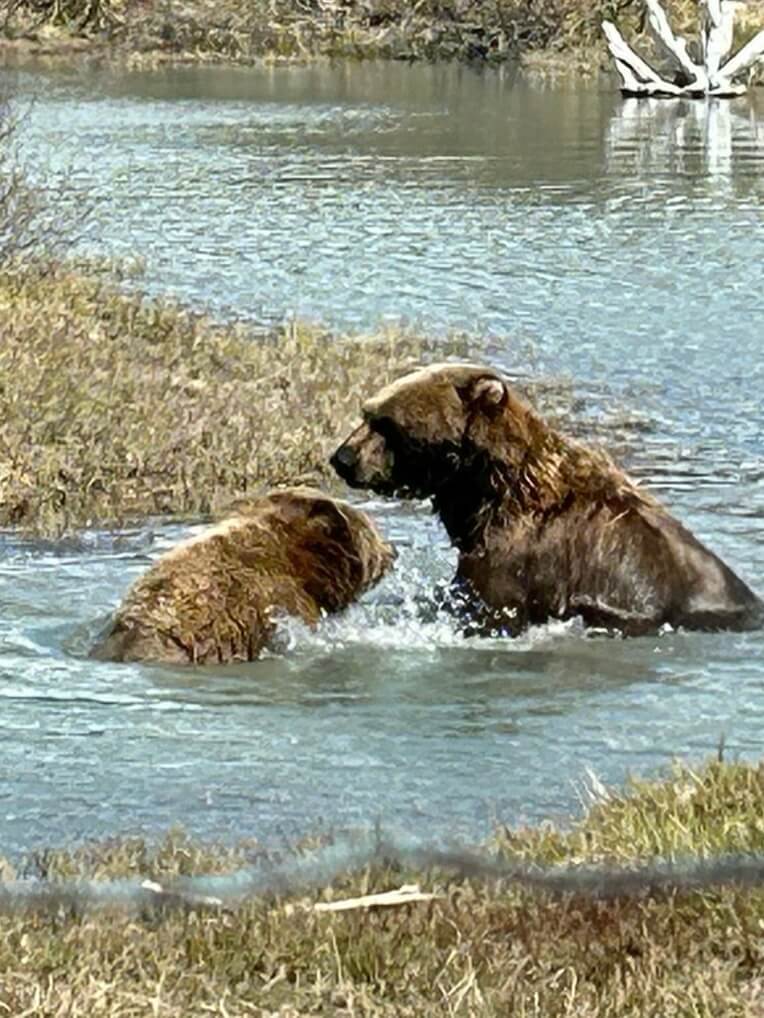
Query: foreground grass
pixel 151 31
pixel 480 949
pixel 113 407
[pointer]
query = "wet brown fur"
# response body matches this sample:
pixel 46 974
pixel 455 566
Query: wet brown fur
pixel 546 527
pixel 216 597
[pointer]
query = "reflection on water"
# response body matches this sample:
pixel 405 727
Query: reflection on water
pixel 685 135
pixel 615 244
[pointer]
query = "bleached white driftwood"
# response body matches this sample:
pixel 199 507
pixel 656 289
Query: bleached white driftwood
pixel 637 75
pixel 631 83
pixel 752 52
pixel 716 35
pixel 403 896
pixel 672 44
pixel 712 77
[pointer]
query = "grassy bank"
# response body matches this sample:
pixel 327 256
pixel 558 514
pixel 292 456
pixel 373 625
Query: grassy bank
pixel 150 31
pixel 547 36
pixel 113 407
pixel 480 949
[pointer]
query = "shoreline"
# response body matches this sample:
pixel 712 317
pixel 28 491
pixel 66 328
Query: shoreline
pixel 67 53
pixel 72 53
pixel 92 364
pixel 148 34
pixel 309 942
pixel 563 38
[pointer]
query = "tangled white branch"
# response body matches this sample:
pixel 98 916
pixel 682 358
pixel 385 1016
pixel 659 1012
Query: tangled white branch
pixel 708 74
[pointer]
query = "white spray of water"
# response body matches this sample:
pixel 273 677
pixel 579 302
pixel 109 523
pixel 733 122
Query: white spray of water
pixel 402 615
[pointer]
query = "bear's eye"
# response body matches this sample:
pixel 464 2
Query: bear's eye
pixel 386 427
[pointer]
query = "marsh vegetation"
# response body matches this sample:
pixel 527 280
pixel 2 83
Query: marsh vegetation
pixel 113 407
pixel 157 30
pixel 481 948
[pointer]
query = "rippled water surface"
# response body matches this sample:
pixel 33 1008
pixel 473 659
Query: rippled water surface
pixel 614 244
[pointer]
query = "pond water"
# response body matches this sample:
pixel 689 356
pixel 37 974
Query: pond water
pixel 614 244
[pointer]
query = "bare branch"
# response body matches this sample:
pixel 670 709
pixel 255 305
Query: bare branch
pixel 716 36
pixel 34 219
pixel 637 75
pixel 674 46
pixel 712 78
pixel 752 52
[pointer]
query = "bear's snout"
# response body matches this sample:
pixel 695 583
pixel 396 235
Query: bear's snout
pixel 345 461
pixel 364 461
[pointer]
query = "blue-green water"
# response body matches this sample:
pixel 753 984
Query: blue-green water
pixel 618 245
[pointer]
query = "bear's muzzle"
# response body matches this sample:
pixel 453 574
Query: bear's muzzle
pixel 344 462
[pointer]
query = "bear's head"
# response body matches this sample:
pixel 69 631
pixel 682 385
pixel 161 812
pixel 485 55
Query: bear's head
pixel 334 549
pixel 431 427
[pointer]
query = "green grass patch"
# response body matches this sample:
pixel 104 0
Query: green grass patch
pixel 716 809
pixel 481 949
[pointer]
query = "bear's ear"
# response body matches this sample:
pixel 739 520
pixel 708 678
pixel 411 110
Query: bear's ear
pixel 290 504
pixel 339 528
pixel 490 394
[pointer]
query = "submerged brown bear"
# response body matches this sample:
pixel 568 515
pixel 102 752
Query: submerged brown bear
pixel 215 597
pixel 545 527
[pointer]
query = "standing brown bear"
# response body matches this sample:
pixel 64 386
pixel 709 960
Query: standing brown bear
pixel 545 527
pixel 215 597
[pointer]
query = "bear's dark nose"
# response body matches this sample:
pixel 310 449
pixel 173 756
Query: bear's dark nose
pixel 344 462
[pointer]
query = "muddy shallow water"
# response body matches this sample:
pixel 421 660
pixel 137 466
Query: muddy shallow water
pixel 616 245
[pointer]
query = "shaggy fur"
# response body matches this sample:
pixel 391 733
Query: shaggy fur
pixel 215 597
pixel 545 527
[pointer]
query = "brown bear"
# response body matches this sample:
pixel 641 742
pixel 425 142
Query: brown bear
pixel 545 526
pixel 216 596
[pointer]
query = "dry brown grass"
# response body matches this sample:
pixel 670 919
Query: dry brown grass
pixel 550 38
pixel 481 950
pixel 493 30
pixel 112 407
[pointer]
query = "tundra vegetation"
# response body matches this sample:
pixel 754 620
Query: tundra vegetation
pixel 479 949
pixel 113 407
pixel 562 32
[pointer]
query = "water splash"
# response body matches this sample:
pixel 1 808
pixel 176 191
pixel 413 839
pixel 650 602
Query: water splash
pixel 404 616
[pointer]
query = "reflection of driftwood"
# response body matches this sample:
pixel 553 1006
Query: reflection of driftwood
pixel 680 137
pixel 689 77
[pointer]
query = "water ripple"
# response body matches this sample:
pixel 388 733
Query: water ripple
pixel 614 246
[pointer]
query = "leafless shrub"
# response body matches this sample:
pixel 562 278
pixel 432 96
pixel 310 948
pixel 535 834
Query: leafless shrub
pixel 38 219
pixel 20 205
pixel 79 15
